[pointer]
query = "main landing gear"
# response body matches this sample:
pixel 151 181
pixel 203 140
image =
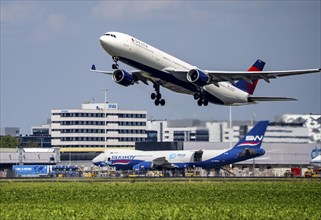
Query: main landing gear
pixel 115 65
pixel 201 100
pixel 157 96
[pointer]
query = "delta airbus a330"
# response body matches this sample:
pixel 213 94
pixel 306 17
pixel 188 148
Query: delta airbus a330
pixel 247 148
pixel 162 69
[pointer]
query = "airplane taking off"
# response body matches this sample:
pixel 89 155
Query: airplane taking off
pixel 162 69
pixel 247 148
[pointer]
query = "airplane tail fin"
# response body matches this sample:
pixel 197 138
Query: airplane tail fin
pixel 248 87
pixel 254 138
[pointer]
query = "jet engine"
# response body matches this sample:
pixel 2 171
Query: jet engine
pixel 197 77
pixel 123 78
pixel 143 165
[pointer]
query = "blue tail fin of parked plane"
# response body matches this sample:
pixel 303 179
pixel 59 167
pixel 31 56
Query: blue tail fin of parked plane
pixel 254 138
pixel 248 87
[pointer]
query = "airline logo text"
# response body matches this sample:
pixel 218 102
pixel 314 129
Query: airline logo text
pixel 254 138
pixel 128 157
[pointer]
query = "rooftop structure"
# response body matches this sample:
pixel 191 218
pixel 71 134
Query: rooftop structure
pixel 310 121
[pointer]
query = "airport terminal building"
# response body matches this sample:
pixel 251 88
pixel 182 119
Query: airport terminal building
pixel 97 125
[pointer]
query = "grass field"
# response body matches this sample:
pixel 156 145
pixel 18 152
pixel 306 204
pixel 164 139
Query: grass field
pixel 161 200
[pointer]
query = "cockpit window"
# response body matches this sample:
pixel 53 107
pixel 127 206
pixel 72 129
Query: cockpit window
pixel 112 35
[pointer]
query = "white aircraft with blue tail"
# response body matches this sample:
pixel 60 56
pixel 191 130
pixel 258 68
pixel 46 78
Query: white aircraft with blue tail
pixel 162 69
pixel 247 148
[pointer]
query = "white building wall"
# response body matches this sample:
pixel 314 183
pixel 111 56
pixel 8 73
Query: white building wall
pixel 311 121
pixel 159 126
pixel 214 131
pixel 97 125
pixel 228 134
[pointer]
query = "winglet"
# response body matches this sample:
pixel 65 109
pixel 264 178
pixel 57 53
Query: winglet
pixel 93 67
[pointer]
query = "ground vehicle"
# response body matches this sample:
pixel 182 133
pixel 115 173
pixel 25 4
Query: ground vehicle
pixel 313 172
pixel 294 172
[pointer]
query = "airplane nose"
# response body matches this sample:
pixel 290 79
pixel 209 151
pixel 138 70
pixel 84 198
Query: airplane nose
pixel 107 44
pixel 103 40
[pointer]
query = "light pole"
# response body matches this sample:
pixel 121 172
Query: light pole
pixel 105 117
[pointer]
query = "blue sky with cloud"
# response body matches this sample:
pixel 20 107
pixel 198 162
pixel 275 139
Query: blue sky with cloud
pixel 47 48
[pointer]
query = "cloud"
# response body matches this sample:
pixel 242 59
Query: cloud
pixel 17 13
pixel 35 20
pixel 124 10
pixel 55 25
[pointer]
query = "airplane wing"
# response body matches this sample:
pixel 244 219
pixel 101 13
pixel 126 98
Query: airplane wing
pixel 249 76
pixel 162 162
pixel 136 74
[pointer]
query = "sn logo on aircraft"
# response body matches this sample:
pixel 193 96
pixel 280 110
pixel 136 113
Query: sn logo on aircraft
pixel 254 138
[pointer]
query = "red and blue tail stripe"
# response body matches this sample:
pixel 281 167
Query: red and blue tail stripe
pixel 248 87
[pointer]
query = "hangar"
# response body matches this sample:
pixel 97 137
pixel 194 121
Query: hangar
pixel 28 156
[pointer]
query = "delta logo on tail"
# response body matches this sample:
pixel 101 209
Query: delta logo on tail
pixel 250 87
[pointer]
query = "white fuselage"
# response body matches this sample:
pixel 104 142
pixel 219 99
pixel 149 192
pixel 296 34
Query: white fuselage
pixel 149 60
pixel 316 161
pixel 170 156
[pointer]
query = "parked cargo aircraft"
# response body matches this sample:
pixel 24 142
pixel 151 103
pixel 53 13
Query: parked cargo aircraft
pixel 248 147
pixel 162 69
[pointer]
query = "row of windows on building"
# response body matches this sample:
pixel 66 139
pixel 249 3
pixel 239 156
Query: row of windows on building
pixel 99 131
pixel 120 123
pixel 199 135
pixel 121 139
pixel 98 115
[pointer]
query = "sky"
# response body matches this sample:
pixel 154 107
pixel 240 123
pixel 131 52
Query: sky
pixel 48 47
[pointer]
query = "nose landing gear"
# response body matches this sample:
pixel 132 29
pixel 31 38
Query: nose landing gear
pixel 115 65
pixel 157 96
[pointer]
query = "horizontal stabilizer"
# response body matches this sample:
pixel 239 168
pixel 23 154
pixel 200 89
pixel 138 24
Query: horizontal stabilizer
pixel 267 99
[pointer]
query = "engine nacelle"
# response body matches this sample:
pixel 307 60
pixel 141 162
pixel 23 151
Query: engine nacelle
pixel 123 77
pixel 197 77
pixel 143 165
